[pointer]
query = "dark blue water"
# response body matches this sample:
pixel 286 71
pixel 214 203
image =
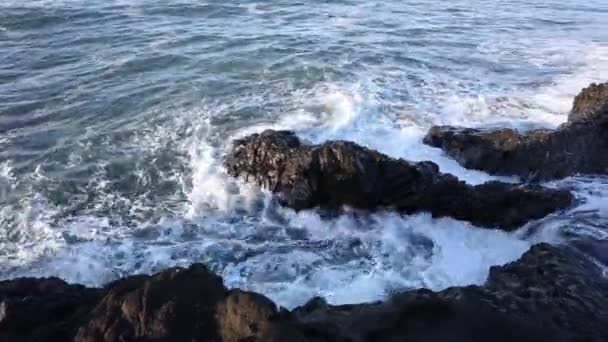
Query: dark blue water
pixel 114 116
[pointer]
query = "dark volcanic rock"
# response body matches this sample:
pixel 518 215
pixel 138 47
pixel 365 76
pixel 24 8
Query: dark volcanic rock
pixel 340 173
pixel 554 286
pixel 247 316
pixel 579 146
pixel 183 305
pixel 550 294
pixel 43 309
pixel 175 305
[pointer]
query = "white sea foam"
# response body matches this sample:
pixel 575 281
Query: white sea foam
pixel 257 8
pixel 558 96
pixel 8 181
pixel 352 112
pixel 383 253
pixel 292 256
pixel 390 259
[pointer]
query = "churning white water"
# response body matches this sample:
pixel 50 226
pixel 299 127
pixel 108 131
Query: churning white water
pixel 115 167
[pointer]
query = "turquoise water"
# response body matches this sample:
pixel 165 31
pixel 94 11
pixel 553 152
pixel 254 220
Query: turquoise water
pixel 114 116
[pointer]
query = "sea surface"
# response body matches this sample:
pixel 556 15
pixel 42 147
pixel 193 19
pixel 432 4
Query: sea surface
pixel 115 116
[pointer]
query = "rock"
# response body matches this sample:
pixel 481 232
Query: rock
pixel 174 305
pixel 418 316
pixel 248 316
pixel 551 294
pixel 577 147
pixel 339 173
pixel 555 286
pixel 43 309
pixel 590 104
pixel 183 305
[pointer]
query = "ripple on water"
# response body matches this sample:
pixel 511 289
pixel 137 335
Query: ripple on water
pixel 115 116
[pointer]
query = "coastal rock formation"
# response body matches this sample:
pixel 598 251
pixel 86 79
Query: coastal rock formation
pixel 591 104
pixel 43 309
pixel 182 305
pixel 550 294
pixel 339 173
pixel 578 147
pixel 177 304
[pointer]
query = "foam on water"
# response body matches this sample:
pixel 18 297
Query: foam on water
pixel 7 179
pixel 533 105
pixel 557 97
pixel 369 257
pixel 290 256
pixel 167 200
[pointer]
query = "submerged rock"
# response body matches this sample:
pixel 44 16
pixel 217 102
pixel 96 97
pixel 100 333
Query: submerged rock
pixel 578 147
pixel 339 173
pixel 550 294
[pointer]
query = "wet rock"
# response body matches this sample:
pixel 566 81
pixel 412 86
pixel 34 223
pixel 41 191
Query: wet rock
pixel 551 294
pixel 577 147
pixel 339 173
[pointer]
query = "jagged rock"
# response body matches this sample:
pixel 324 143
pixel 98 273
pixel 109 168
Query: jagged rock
pixel 339 173
pixel 550 294
pixel 577 147
pixel 590 104
pixel 558 286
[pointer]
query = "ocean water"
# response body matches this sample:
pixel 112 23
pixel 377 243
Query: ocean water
pixel 115 115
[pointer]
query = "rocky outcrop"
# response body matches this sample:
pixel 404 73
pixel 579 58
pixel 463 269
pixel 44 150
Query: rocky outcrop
pixel 550 294
pixel 578 147
pixel 184 305
pixel 339 173
pixel 43 309
pixel 591 104
pixel 174 305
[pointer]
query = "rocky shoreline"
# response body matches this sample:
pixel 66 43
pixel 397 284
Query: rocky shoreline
pixel 579 146
pixel 552 293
